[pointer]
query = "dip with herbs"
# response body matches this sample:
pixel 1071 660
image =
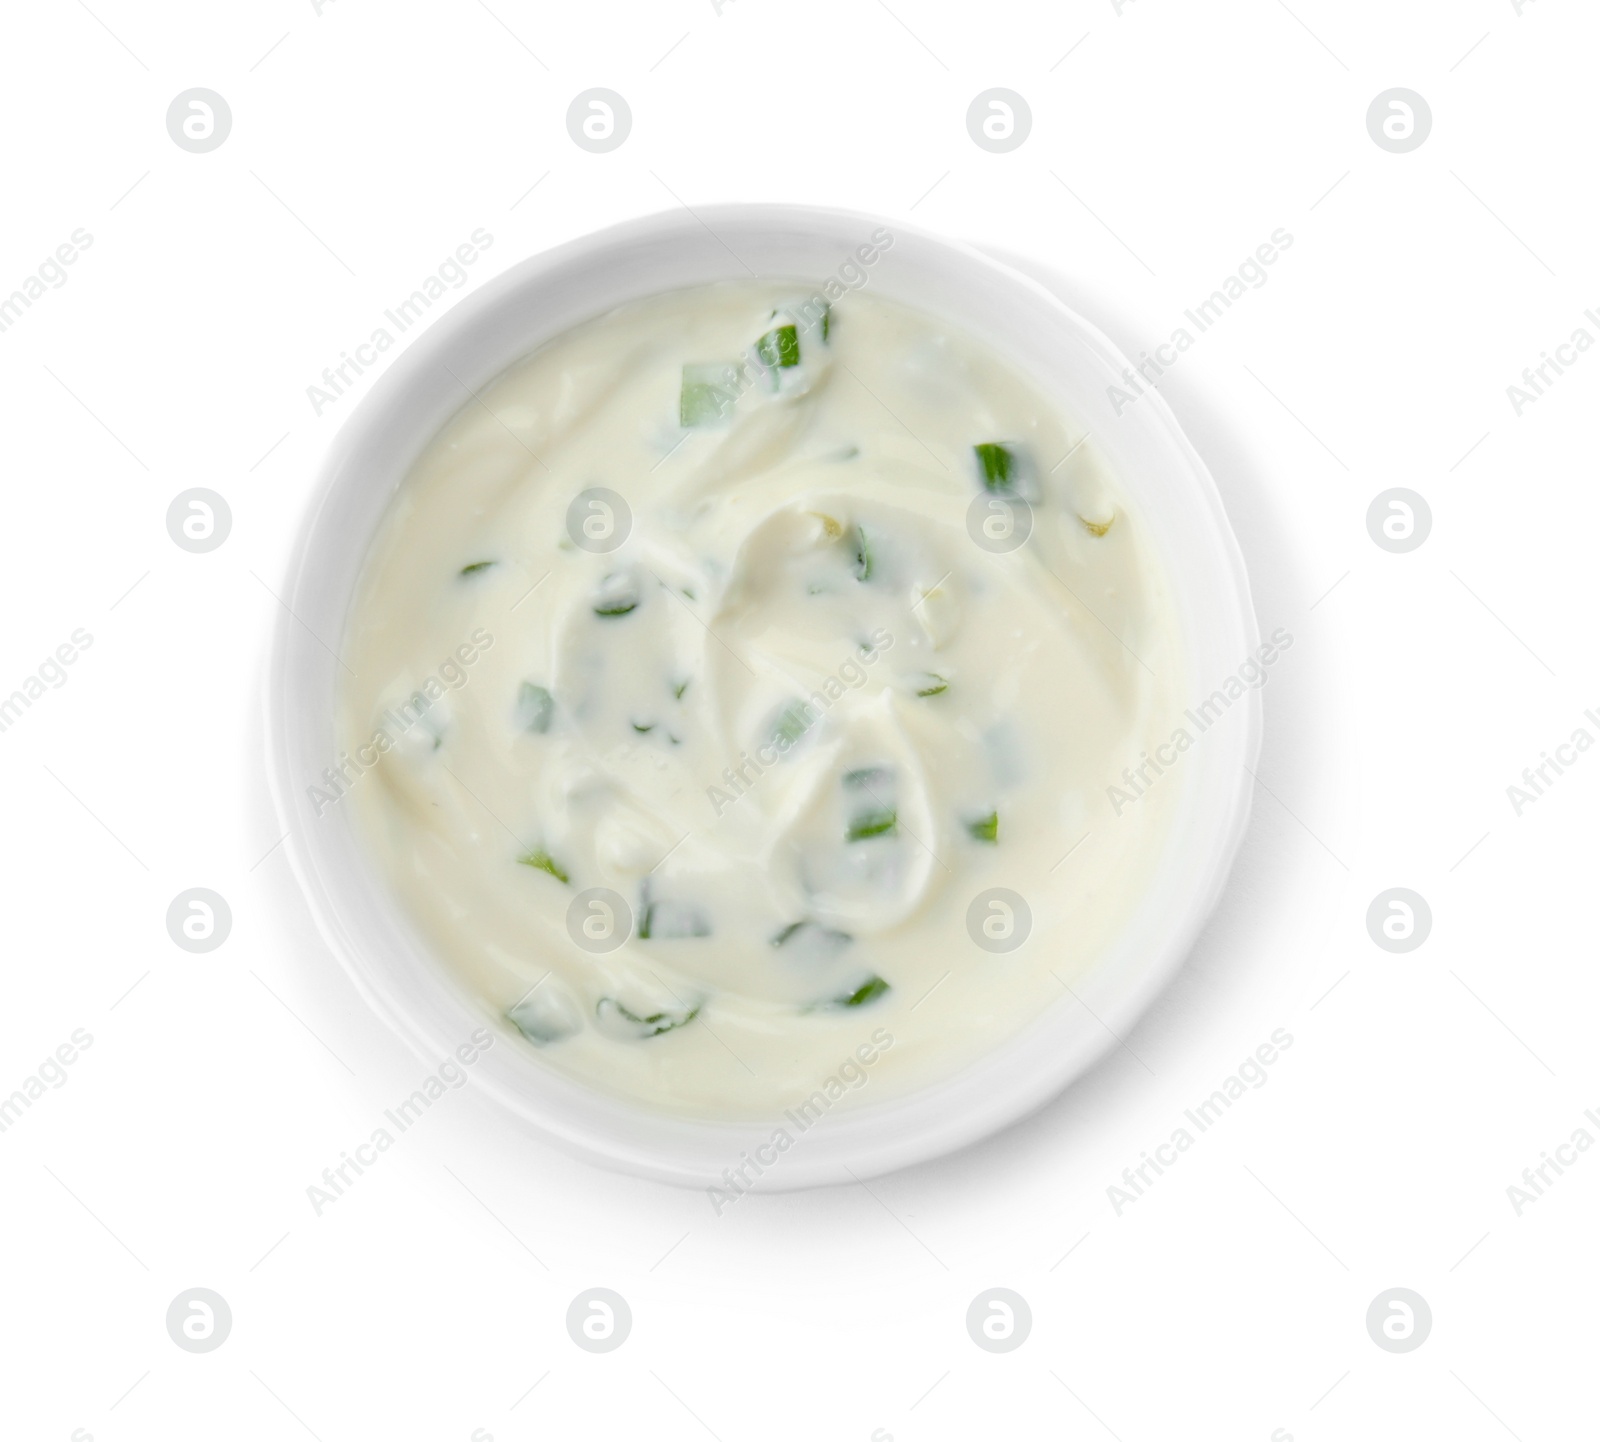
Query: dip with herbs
pixel 723 676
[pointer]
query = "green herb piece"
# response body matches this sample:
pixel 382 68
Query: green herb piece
pixel 997 465
pixel 791 724
pixel 779 348
pixel 1096 528
pixel 678 689
pixel 863 555
pixel 827 321
pixel 884 821
pixel 643 730
pixel 475 567
pixel 542 860
pixel 671 921
pixel 868 778
pixel 420 705
pixel 708 393
pixel 932 685
pixel 536 707
pixel 651 1024
pixel 828 938
pixel 618 595
pixel 985 828
pixel 543 1021
pixel 869 990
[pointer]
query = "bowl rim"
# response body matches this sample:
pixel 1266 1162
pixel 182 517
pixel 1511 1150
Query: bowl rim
pixel 981 1098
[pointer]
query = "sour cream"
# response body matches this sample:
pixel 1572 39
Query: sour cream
pixel 736 685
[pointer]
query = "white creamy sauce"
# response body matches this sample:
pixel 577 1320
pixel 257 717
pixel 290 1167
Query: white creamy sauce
pixel 797 720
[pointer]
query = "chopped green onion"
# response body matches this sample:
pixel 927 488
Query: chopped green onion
pixel 542 1021
pixel 932 685
pixel 863 555
pixel 1096 528
pixel 420 706
pixel 678 689
pixel 535 708
pixel 475 567
pixel 618 595
pixel 996 463
pixel 985 828
pixel 791 724
pixel 708 393
pixel 542 860
pixel 830 940
pixel 869 990
pixel 650 1024
pixel 672 921
pixel 643 730
pixel 779 348
pixel 827 321
pixel 881 822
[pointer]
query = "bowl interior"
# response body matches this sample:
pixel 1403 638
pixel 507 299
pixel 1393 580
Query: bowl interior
pixel 537 300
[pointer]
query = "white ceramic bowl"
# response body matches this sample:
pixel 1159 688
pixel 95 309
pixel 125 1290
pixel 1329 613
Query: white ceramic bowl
pixel 537 300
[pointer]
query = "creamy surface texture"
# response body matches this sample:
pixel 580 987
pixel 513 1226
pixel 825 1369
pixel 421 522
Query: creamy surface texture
pixel 701 693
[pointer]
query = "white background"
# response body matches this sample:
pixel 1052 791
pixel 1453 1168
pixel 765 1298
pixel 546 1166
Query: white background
pixel 1229 1301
